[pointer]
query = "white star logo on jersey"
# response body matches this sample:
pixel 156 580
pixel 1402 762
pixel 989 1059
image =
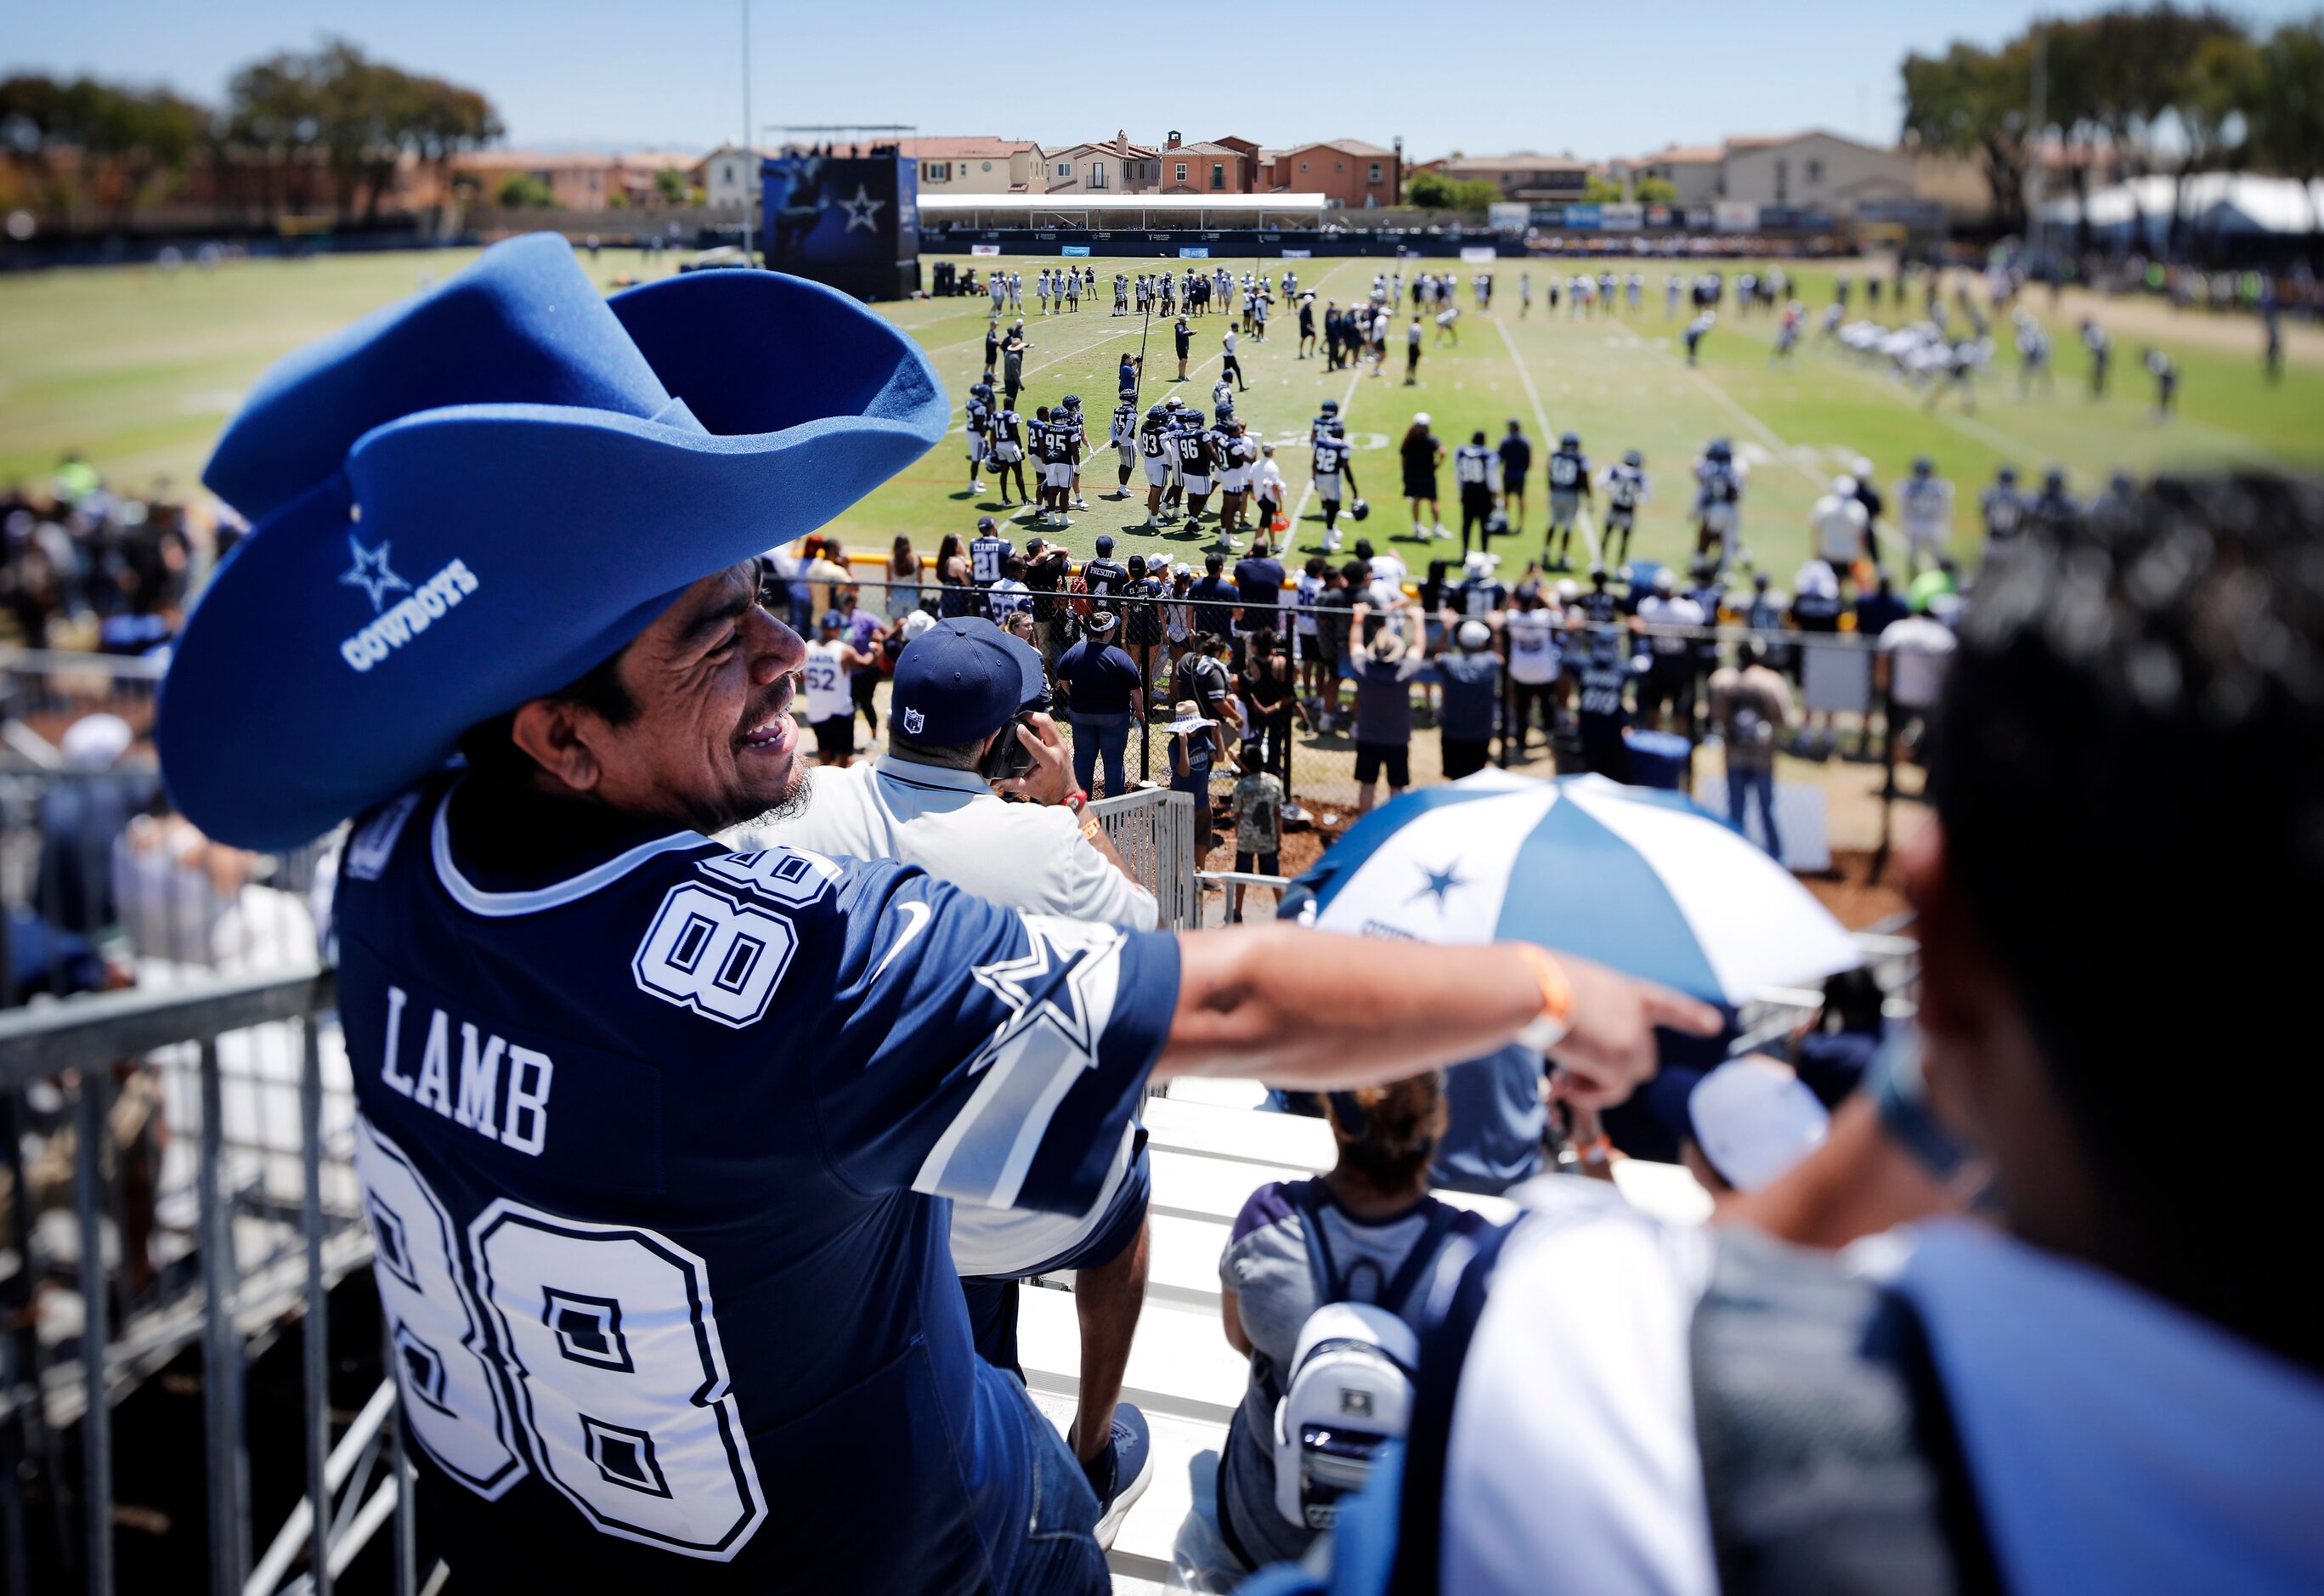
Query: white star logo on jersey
pixel 371 574
pixel 1045 1045
pixel 1085 953
pixel 860 210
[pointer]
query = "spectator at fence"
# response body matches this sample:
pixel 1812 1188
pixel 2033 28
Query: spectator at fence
pixel 831 661
pixel 1913 654
pixel 1878 610
pixel 1258 801
pixel 866 636
pixel 1196 746
pixel 1334 622
pixel 903 594
pixel 1668 685
pixel 1384 715
pixel 1142 621
pixel 1366 1231
pixel 1049 575
pixel 957 596
pixel 1471 673
pixel 1268 689
pixel 1603 669
pixel 1751 706
pixel 1215 599
pixel 1530 633
pixel 1203 676
pixel 1010 594
pixel 79 816
pixel 827 572
pixel 1103 689
pixel 1824 668
pixel 1258 587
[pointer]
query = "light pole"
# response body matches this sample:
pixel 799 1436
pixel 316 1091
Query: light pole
pixel 750 154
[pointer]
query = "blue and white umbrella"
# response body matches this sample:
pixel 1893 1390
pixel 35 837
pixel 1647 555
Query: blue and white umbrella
pixel 1639 880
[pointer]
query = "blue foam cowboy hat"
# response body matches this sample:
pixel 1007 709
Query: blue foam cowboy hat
pixel 474 497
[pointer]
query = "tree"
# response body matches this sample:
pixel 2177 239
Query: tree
pixel 2285 114
pixel 127 137
pixel 671 185
pixel 1433 190
pixel 1974 102
pixel 522 191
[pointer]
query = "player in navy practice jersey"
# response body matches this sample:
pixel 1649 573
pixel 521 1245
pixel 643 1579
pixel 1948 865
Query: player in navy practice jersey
pixel 657 1141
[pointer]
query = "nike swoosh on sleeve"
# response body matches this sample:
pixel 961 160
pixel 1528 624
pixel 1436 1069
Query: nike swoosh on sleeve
pixel 913 927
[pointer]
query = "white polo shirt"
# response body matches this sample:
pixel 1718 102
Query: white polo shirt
pixel 1025 856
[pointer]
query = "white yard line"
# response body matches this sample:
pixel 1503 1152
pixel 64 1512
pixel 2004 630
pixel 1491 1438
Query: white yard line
pixel 1541 419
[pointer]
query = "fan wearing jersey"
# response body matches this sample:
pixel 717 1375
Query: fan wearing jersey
pixel 657 1141
pixel 1602 670
pixel 831 661
pixel 1569 488
pixel 1626 488
pixel 988 553
pixel 1529 639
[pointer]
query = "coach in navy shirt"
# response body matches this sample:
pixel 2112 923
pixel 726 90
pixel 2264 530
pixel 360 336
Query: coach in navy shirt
pixel 1103 688
pixel 658 1141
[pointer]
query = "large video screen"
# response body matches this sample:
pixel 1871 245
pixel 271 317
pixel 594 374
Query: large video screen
pixel 822 207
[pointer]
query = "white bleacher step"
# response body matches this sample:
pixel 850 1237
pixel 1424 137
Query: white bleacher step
pixel 1210 1130
pixel 1179 1362
pixel 1220 1091
pixel 1141 1554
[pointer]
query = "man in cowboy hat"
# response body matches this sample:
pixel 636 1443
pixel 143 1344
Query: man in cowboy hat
pixel 657 1140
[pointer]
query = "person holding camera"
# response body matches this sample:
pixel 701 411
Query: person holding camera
pixel 967 724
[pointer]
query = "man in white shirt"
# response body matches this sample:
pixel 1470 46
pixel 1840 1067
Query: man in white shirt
pixel 963 691
pixel 1840 523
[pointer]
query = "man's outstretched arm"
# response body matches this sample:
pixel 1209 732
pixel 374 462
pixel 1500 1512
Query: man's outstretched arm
pixel 1322 1011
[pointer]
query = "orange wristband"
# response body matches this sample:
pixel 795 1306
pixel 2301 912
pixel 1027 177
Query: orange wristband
pixel 1549 1028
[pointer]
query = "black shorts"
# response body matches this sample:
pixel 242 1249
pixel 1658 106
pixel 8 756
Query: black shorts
pixel 1464 756
pixel 1421 486
pixel 1396 757
pixel 1513 482
pixel 835 738
pixel 1258 863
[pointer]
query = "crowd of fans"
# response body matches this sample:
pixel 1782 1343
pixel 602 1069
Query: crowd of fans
pixel 86 564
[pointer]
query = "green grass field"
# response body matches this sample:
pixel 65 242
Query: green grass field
pixel 139 369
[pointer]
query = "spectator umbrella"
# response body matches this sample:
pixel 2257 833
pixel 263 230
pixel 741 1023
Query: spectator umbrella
pixel 1645 881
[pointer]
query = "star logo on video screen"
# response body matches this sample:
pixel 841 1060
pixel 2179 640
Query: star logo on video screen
pixel 371 574
pixel 860 210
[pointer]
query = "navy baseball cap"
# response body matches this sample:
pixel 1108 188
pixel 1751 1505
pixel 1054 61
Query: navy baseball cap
pixel 963 679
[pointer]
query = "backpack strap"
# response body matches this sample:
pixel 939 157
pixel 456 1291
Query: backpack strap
pixel 1423 1253
pixel 1306 1196
pixel 1829 1457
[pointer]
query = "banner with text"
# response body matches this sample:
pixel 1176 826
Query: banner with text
pixel 1621 218
pixel 1735 216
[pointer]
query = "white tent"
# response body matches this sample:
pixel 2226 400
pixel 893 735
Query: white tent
pixel 2216 202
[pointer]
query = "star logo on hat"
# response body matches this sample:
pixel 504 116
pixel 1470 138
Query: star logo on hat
pixel 371 574
pixel 860 208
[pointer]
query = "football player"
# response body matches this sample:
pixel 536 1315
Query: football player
pixel 1077 445
pixel 979 417
pixel 1153 448
pixel 1123 436
pixel 1472 467
pixel 1009 454
pixel 1196 457
pixel 1517 464
pixel 1626 488
pixel 1334 473
pixel 1926 502
pixel 1720 480
pixel 1569 484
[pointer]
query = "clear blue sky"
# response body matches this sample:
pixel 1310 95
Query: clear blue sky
pixel 1595 78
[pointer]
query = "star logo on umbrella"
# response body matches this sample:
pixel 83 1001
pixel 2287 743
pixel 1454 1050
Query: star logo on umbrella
pixel 860 208
pixel 1439 884
pixel 371 574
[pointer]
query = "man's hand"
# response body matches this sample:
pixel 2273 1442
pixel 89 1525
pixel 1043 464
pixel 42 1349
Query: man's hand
pixel 1051 779
pixel 1610 1051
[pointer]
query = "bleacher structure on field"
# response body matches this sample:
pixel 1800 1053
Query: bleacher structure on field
pixel 1213 1144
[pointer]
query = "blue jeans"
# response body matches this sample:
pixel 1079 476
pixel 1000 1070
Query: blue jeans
pixel 1744 785
pixel 1059 1553
pixel 1100 734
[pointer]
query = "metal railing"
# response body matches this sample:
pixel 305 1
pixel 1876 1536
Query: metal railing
pixel 220 1247
pixel 1153 830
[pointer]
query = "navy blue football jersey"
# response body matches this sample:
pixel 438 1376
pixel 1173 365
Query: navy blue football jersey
pixel 658 1148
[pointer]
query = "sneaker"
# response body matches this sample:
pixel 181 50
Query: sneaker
pixel 1442 530
pixel 1121 1472
pixel 1080 503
